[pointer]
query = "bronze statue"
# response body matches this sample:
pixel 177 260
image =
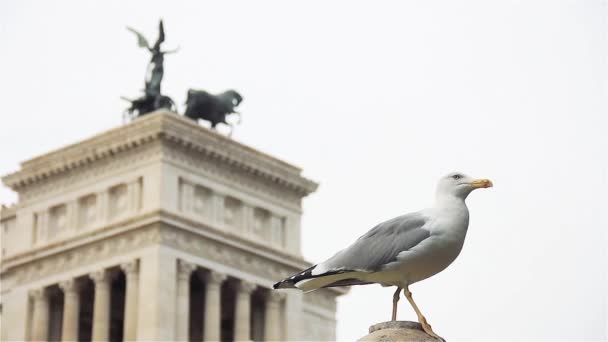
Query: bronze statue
pixel 199 103
pixel 152 98
pixel 213 108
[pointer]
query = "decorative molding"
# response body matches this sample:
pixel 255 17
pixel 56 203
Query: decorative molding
pixel 69 286
pixel 246 287
pixel 185 269
pixel 214 277
pixel 72 180
pixel 84 255
pixel 224 254
pixel 167 127
pixel 263 261
pixel 38 294
pixel 229 174
pixel 99 276
pixel 8 212
pixel 131 268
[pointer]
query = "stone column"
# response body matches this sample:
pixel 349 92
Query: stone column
pixel 132 292
pixel 184 270
pixel 242 317
pixel 213 305
pixel 272 324
pixel 101 308
pixel 40 316
pixel 71 306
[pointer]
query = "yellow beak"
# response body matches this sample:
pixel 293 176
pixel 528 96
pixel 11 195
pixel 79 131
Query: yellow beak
pixel 481 183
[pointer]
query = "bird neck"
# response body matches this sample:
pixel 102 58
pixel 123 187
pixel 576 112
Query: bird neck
pixel 445 201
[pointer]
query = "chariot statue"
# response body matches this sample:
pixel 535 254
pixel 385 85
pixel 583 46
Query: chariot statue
pixel 199 103
pixel 152 99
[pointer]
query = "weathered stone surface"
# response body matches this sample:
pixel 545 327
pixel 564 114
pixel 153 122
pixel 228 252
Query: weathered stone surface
pixel 402 331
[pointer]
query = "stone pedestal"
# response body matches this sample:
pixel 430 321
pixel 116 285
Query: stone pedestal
pixel 397 331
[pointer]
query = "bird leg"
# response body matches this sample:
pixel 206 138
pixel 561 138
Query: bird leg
pixel 395 300
pixel 425 325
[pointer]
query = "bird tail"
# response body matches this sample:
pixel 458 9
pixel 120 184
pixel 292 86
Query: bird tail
pixel 290 283
pixel 307 282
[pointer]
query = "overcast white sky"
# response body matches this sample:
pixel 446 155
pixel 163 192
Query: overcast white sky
pixel 375 101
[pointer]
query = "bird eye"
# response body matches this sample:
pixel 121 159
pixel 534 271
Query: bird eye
pixel 457 177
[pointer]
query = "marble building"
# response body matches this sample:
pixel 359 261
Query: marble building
pixel 157 230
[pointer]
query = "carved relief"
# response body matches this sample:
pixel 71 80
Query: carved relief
pixel 85 255
pixel 202 205
pixel 58 220
pixel 233 212
pixel 87 210
pixel 117 201
pixel 186 190
pixel 224 254
pixel 195 199
pixel 261 223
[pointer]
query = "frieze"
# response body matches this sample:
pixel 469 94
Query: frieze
pixel 85 255
pixel 224 254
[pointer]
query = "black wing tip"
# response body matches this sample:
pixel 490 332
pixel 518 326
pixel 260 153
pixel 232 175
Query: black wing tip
pixel 290 283
pixel 284 284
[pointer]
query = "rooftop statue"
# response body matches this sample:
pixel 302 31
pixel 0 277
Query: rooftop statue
pixel 213 108
pixel 152 99
pixel 199 103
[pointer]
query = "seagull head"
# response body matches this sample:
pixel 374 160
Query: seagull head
pixel 457 184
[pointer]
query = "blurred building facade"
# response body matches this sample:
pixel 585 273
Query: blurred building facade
pixel 157 230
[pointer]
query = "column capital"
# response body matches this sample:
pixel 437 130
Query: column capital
pixel 275 296
pixel 38 294
pixel 185 269
pixel 69 286
pixel 99 276
pixel 246 287
pixel 214 277
pixel 129 267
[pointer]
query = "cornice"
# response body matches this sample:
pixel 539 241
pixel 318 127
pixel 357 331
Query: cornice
pixel 164 126
pixel 7 212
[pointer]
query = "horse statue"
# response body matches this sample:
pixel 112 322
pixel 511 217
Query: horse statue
pixel 213 108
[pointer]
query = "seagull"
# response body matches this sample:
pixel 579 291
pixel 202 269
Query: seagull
pixel 401 251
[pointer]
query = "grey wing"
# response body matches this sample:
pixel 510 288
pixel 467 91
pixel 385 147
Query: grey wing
pixel 141 40
pixel 379 246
